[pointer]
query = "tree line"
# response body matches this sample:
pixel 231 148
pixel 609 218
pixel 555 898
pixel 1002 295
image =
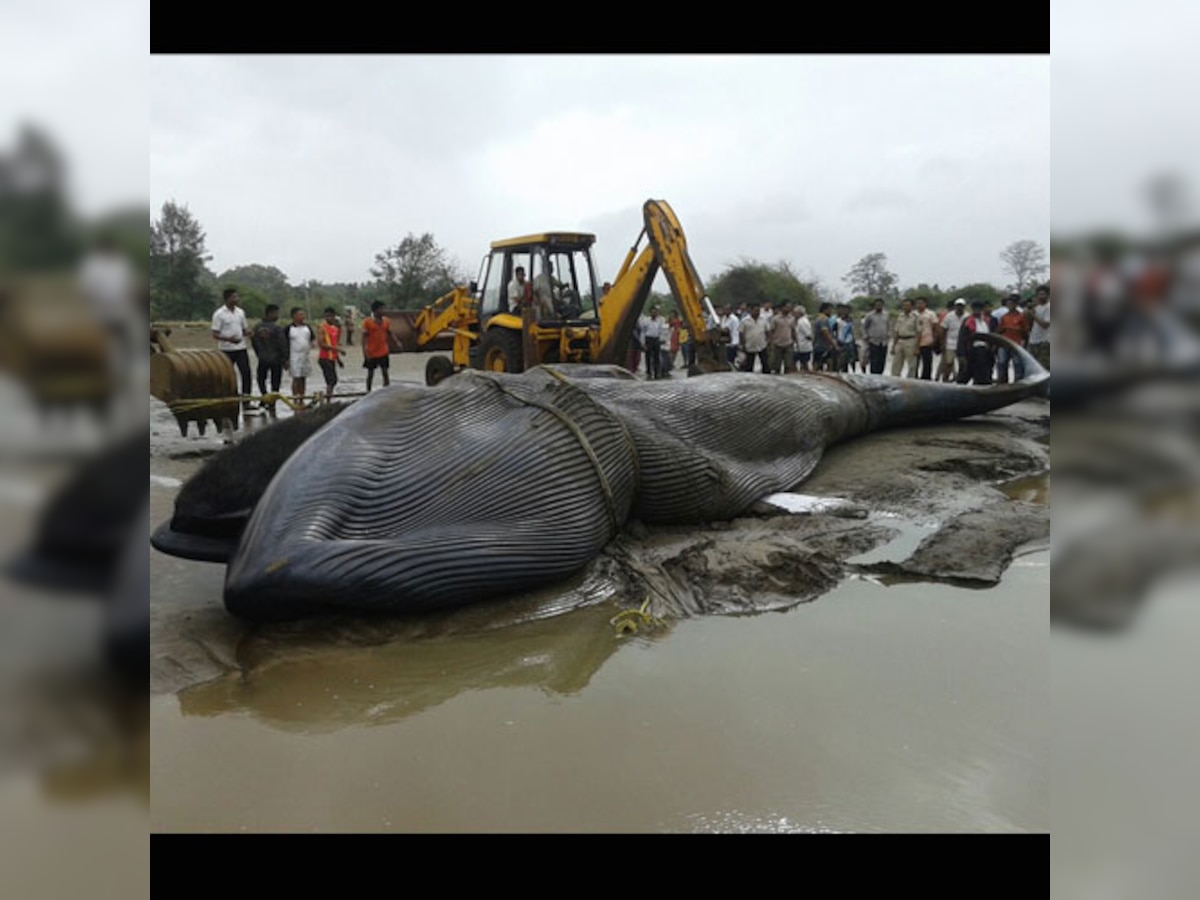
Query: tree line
pixel 751 282
pixel 407 275
pixel 416 270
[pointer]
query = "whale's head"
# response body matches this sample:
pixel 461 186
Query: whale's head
pixel 214 505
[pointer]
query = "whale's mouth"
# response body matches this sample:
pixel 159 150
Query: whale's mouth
pixel 204 539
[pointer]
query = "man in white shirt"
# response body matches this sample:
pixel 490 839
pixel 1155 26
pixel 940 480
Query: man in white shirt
pixel 653 329
pixel 804 339
pixel 516 290
pixel 950 325
pixel 731 322
pixel 230 331
pixel 301 342
pixel 768 315
pixel 754 341
pixel 1039 332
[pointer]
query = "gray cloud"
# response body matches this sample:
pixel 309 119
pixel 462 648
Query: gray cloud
pixel 873 199
pixel 314 164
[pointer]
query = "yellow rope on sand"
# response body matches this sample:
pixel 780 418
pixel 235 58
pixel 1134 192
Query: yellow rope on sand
pixel 294 402
pixel 627 621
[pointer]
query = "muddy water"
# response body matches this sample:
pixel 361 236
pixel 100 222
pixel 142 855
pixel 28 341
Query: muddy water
pixel 905 707
pixel 913 707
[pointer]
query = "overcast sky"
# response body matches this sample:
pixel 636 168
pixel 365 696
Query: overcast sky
pixel 314 164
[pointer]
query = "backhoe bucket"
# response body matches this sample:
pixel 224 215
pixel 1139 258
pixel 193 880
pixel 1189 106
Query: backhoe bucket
pixel 710 355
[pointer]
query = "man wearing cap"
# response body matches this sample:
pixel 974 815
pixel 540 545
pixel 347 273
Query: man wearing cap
pixel 877 328
pixel 951 324
pixel 904 340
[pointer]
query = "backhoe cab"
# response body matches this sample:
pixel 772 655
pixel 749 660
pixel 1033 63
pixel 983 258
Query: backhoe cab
pixel 553 317
pixel 558 313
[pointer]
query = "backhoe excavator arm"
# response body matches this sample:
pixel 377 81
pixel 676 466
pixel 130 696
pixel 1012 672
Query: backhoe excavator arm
pixel 666 248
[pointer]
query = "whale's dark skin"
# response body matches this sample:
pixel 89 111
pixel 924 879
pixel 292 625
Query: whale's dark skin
pixel 417 499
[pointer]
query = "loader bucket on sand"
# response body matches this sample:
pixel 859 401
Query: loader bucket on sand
pixel 179 377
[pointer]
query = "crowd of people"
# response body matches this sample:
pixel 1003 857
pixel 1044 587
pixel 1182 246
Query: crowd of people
pixel 280 347
pixel 920 342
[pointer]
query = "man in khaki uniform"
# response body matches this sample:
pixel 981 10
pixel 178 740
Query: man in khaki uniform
pixel 927 337
pixel 781 342
pixel 905 330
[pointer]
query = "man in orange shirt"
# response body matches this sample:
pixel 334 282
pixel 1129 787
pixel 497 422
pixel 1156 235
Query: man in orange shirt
pixel 329 356
pixel 1013 325
pixel 375 330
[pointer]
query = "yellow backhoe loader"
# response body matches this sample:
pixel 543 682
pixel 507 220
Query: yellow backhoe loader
pixel 558 311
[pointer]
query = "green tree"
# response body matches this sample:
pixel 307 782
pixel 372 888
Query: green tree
pixel 181 287
pixel 980 290
pixel 870 278
pixel 935 295
pixel 368 293
pixel 253 301
pixel 414 272
pixel 666 304
pixel 750 281
pixel 267 281
pixel 340 294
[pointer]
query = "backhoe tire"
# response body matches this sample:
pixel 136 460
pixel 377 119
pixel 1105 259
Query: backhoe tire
pixel 500 351
pixel 437 370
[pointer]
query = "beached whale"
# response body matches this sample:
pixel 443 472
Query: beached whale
pixel 416 498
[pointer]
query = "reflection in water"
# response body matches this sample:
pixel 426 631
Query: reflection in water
pixel 327 681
